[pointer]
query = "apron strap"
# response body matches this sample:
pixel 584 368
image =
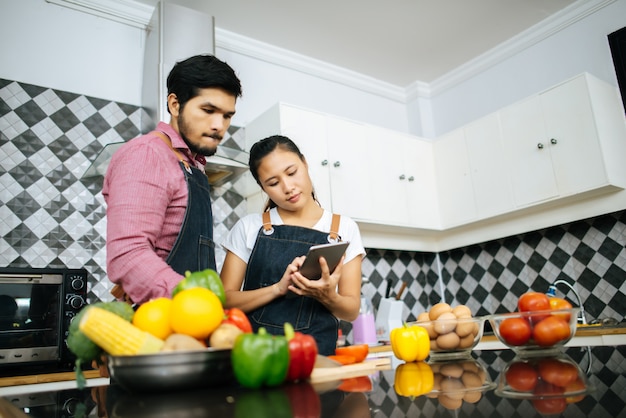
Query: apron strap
pixel 334 227
pixel 178 154
pixel 267 223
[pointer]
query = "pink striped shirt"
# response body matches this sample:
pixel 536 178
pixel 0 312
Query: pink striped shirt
pixel 146 196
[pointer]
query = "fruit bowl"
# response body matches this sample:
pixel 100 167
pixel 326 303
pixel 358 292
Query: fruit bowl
pixel 453 338
pixel 535 332
pixel 549 383
pixel 174 370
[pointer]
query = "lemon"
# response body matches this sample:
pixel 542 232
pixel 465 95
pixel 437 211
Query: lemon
pixel 154 317
pixel 196 312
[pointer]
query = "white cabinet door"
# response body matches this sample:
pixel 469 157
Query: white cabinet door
pixel 489 170
pixel 403 178
pixel 573 140
pixel 309 131
pixel 349 166
pixel 527 154
pixel 552 143
pixel 454 181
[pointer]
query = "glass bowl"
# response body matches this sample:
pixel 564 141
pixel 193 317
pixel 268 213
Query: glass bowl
pixel 458 381
pixel 550 383
pixel 453 338
pixel 535 332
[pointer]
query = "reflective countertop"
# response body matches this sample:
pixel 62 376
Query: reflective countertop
pixel 381 394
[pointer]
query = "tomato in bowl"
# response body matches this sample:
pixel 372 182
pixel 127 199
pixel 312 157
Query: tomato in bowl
pixel 535 331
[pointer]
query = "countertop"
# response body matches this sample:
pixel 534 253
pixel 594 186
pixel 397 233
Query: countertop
pixel 374 393
pixel 585 336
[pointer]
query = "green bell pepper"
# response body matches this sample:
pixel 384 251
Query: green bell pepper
pixel 209 279
pixel 260 359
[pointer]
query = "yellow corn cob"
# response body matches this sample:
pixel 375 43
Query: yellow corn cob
pixel 117 336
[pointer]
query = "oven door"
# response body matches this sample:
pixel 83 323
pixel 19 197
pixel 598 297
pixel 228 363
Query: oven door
pixel 30 318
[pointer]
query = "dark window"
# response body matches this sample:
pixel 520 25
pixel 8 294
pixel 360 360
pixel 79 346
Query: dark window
pixel 617 43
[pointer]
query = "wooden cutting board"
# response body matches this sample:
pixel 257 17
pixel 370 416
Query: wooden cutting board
pixel 326 374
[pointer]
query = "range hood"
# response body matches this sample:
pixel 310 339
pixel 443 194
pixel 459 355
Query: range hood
pixel 175 33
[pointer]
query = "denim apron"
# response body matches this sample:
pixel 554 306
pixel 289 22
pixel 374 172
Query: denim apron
pixel 194 249
pixel 275 247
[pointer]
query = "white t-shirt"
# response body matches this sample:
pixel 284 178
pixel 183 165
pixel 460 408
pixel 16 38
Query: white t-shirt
pixel 241 239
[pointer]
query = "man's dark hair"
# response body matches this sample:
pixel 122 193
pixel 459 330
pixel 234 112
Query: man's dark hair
pixel 199 72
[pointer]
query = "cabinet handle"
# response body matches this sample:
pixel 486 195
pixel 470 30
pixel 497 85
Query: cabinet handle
pixel 540 145
pixel 402 177
pixel 324 163
pixel 411 178
pixel 553 141
pixel 336 164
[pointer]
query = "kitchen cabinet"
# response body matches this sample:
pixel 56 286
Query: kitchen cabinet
pixel 493 194
pixel 454 182
pixel 337 151
pixel 403 177
pixel 558 143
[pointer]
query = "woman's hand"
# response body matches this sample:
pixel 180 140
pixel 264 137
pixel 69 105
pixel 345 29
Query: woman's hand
pixel 323 289
pixel 285 282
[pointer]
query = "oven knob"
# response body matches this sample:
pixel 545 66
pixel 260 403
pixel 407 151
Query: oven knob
pixel 77 283
pixel 75 301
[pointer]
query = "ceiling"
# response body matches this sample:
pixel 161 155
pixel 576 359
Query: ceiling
pixel 396 41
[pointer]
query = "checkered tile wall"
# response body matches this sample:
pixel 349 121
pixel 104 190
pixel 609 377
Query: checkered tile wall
pixel 51 217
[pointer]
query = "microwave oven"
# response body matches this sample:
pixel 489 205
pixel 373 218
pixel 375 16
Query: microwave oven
pixel 37 306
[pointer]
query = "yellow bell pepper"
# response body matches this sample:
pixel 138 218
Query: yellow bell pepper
pixel 410 343
pixel 413 379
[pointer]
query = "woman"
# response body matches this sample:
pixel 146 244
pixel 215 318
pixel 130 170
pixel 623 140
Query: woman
pixel 264 252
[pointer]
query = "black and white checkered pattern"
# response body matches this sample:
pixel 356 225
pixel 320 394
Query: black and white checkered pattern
pixel 49 216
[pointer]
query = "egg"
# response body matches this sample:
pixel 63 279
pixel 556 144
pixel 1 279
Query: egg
pixel 439 309
pixel 472 396
pixel 471 380
pixel 450 403
pixel 465 327
pixel 453 370
pixel 466 341
pixel 462 311
pixel 445 323
pixel 453 388
pixel 448 341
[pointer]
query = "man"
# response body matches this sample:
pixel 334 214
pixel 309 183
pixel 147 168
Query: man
pixel 159 219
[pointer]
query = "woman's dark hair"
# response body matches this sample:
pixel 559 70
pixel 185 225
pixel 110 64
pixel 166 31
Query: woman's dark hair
pixel 200 72
pixel 264 147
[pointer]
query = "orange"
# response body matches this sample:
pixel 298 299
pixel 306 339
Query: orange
pixel 196 312
pixel 154 317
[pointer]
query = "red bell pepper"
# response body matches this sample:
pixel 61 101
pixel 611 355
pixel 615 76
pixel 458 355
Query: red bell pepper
pixel 238 318
pixel 302 354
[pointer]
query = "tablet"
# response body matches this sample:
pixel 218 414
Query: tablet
pixel 331 252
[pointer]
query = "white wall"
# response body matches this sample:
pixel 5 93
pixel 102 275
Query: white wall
pixel 581 47
pixel 53 46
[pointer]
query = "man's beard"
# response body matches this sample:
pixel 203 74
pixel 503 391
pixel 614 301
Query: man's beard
pixel 207 151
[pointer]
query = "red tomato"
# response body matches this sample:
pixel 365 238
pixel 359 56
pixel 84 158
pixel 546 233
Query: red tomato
pixel 550 331
pixel 577 386
pixel 521 376
pixel 550 406
pixel 534 301
pixel 552 403
pixel 559 373
pixel 559 303
pixel 515 331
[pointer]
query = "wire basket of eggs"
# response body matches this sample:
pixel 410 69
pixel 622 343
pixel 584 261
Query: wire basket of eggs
pixel 453 331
